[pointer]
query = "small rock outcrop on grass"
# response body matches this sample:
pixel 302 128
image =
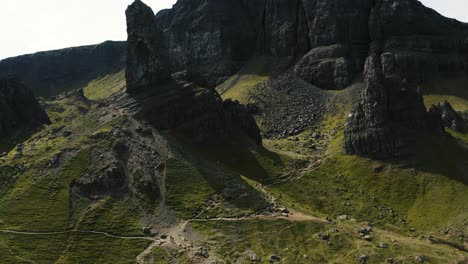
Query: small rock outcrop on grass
pixel 450 118
pixel 20 112
pixel 389 112
pixel 170 102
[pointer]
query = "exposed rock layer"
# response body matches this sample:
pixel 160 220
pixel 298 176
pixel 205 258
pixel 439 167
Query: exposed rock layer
pixel 19 110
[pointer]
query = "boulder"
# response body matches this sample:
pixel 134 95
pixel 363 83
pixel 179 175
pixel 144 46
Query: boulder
pixel 325 67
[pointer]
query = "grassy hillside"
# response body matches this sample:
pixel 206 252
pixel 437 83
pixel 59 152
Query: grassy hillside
pixel 227 198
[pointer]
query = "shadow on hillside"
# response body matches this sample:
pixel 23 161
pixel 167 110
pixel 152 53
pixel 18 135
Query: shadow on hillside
pixel 444 156
pixel 455 86
pixel 223 164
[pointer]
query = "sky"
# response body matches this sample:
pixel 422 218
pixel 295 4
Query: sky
pixel 28 26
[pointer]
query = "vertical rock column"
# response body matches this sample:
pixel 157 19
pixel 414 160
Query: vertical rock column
pixel 147 58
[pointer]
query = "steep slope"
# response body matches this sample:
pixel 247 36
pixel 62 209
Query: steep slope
pixel 52 72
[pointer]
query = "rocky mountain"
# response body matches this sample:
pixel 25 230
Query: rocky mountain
pixel 173 103
pixel 20 112
pixel 260 131
pixel 330 40
pixel 52 72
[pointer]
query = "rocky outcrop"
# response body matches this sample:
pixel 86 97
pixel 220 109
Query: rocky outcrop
pixel 450 118
pixel 325 67
pixel 196 112
pixel 20 112
pixel 147 60
pixel 223 35
pixel 110 181
pixel 52 72
pixel 389 113
pixel 176 105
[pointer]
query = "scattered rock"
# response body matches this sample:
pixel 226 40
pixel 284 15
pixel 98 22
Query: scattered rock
pixel 363 259
pixel 54 162
pixel 252 256
pixel 67 133
pixel 203 252
pixel 421 259
pixel 342 217
pixel 383 245
pixel 325 236
pixel 274 259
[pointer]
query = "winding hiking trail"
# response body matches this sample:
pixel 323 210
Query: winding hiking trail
pixel 72 231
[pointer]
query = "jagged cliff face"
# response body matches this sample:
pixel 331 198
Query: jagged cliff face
pixel 171 103
pixel 389 113
pixel 20 113
pixel 52 72
pixel 212 39
pixel 147 60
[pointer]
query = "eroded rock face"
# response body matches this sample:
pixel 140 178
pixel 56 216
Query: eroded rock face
pixel 19 111
pixel 177 105
pixel 147 60
pixel 223 35
pixel 389 111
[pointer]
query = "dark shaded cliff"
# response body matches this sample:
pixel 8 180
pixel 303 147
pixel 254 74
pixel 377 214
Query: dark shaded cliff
pixel 20 113
pixel 52 72
pixel 212 39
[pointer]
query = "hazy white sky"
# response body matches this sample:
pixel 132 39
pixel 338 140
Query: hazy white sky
pixel 28 26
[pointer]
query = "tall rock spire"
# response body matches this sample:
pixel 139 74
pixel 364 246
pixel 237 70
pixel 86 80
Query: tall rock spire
pixel 147 58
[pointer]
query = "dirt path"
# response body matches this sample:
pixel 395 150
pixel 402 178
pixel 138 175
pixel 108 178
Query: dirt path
pixel 72 231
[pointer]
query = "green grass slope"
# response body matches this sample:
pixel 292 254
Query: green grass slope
pixel 224 196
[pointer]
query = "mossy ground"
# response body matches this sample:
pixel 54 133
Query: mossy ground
pixel 298 242
pixel 239 85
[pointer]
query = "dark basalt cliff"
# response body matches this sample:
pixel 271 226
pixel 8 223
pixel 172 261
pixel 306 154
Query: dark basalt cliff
pixel 330 39
pixel 52 72
pixel 389 113
pixel 170 102
pixel 327 43
pixel 20 113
